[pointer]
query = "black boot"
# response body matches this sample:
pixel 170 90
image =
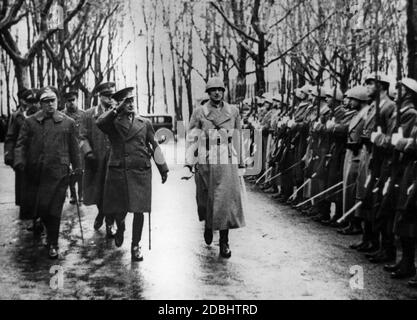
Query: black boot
pixel 224 244
pixel 208 236
pixel 119 236
pixel 407 269
pixel 136 253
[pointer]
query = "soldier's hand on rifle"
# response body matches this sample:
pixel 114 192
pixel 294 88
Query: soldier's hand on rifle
pixel 396 137
pixel 316 125
pixel 330 124
pixel 376 134
pixel 164 177
pixel 291 123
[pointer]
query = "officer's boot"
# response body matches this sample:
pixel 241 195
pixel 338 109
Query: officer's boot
pixel 119 236
pixel 388 252
pixel 224 244
pixel 407 269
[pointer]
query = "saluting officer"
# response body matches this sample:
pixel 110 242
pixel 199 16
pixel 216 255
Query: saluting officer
pixel 46 147
pixel 72 111
pixel 95 148
pixel 128 183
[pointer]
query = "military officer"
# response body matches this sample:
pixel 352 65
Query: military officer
pixel 72 111
pixel 218 176
pixel 95 148
pixel 46 147
pixel 128 183
pixel 28 105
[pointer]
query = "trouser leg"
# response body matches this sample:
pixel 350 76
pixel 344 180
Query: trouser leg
pixel 224 236
pixel 52 225
pixel 137 228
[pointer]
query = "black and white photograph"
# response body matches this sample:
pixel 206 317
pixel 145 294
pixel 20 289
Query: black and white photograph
pixel 225 151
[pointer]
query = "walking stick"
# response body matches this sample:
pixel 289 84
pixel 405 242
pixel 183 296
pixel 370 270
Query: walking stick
pixel 320 194
pixel 78 211
pixel 79 217
pixel 149 224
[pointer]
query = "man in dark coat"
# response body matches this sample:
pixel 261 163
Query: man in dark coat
pixel 46 147
pixel 370 163
pixel 128 184
pixel 398 175
pixel 95 148
pixel 28 105
pixel 72 111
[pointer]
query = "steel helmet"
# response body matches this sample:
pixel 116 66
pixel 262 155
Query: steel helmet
pixel 306 89
pixel 358 93
pixel 215 83
pixel 320 93
pixel 268 97
pixel 338 95
pixel 410 84
pixel 378 77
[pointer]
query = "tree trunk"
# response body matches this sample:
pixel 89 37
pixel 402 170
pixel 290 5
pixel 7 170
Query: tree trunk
pixel 164 85
pixel 412 38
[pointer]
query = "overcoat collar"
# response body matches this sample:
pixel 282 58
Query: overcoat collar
pixel 57 116
pixel 217 116
pixel 123 124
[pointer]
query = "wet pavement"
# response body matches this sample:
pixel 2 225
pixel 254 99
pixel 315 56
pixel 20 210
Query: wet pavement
pixel 278 255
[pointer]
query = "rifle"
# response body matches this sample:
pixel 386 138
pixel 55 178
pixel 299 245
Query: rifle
pixel 399 76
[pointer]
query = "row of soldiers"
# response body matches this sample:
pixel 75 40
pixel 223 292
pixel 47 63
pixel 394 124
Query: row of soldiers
pixel 356 150
pixel 50 147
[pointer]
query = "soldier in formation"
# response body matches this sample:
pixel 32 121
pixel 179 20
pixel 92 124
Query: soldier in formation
pixel 356 150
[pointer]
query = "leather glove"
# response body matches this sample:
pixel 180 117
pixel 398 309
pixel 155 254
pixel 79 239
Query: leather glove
pixel 164 177
pixel 376 134
pixel 396 137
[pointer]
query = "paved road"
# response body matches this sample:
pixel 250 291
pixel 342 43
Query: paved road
pixel 279 255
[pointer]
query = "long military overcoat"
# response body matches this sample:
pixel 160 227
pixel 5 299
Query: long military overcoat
pixel 128 183
pixel 218 187
pixel 47 147
pixel 92 139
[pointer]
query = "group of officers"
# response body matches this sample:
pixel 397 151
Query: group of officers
pixel 356 150
pixel 105 151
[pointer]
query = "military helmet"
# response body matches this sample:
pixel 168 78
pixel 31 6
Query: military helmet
pixel 335 92
pixel 358 93
pixel 377 77
pixel 215 83
pixel 268 97
pixel 306 89
pixel 410 84
pixel 299 93
pixel 319 92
